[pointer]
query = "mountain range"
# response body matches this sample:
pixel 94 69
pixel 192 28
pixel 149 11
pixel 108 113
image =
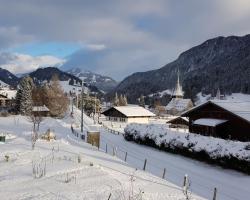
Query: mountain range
pixel 42 75
pixel 222 62
pixel 103 83
pixel 8 78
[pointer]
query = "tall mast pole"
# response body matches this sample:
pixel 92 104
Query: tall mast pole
pixel 82 109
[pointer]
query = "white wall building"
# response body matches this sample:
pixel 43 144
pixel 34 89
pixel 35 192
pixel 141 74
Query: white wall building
pixel 128 114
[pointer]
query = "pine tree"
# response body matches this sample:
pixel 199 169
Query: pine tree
pixel 116 100
pixel 141 101
pixel 24 96
pixel 125 100
pixel 122 100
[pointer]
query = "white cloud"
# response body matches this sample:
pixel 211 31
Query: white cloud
pixel 22 63
pixel 137 35
pixel 95 47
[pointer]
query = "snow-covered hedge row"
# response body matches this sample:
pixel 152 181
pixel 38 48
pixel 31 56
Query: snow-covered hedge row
pixel 164 138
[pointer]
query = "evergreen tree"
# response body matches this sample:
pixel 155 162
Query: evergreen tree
pixel 122 100
pixel 125 100
pixel 141 101
pixel 91 104
pixel 116 100
pixel 24 96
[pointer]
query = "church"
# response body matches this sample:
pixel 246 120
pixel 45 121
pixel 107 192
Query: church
pixel 178 104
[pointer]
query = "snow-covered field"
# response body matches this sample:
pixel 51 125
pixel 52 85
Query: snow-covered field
pixel 68 168
pixel 231 185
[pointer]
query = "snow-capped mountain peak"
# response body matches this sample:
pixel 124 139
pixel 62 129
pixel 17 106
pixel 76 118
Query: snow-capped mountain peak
pixel 103 83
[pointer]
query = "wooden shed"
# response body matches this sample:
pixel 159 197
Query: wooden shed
pixel 93 137
pixel 224 119
pixel 178 122
pixel 6 103
pixel 42 111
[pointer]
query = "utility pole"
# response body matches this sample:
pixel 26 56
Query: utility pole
pixel 82 109
pixel 95 109
pixel 72 99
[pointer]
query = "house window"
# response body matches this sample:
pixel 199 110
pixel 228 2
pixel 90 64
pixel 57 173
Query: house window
pixel 122 119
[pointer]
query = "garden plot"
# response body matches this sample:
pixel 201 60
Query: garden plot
pixel 70 169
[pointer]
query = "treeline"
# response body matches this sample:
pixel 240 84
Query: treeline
pixel 49 94
pixel 91 104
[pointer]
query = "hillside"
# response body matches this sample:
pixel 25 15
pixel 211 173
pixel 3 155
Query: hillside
pixel 45 74
pixel 222 62
pixel 103 83
pixel 8 78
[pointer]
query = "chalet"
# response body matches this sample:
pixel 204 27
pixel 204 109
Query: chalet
pixel 178 122
pixel 41 111
pixel 6 104
pixel 128 114
pixel 177 105
pixel 221 118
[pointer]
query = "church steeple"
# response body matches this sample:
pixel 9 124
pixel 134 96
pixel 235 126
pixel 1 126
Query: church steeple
pixel 178 93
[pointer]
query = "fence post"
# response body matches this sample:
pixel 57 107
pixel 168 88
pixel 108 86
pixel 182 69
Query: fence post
pixel 145 163
pixel 109 196
pixel 164 172
pixel 106 148
pixel 126 154
pixel 185 181
pixel 215 193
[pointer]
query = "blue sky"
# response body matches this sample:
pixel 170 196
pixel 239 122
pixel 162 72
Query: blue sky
pixel 58 49
pixel 111 37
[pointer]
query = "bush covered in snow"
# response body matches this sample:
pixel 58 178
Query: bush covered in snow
pixel 232 154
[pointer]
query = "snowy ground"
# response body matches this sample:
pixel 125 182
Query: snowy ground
pixel 109 173
pixel 204 177
pixel 65 177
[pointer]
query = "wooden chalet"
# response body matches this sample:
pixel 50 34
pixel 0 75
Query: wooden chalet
pixel 223 119
pixel 178 122
pixel 6 103
pixel 128 114
pixel 41 111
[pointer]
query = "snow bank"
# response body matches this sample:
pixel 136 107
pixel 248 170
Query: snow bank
pixel 165 138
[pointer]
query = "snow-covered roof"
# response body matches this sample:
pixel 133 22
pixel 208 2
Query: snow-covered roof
pixel 178 104
pixel 184 118
pixel 209 122
pixel 40 109
pixel 134 111
pixel 239 108
pixel 11 94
